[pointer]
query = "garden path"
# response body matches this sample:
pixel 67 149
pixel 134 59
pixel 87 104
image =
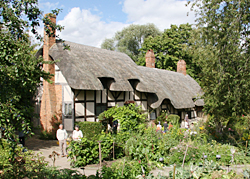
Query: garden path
pixel 46 147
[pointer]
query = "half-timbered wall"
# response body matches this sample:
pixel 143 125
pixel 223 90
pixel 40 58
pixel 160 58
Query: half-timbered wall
pixel 86 105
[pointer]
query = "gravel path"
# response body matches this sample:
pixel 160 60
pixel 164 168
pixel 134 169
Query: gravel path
pixel 46 147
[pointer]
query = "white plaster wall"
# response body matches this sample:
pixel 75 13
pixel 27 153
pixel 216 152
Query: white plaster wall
pixel 127 98
pixel 111 104
pixel 80 95
pixel 110 96
pixel 138 103
pixel 120 103
pixel 91 119
pixel 131 97
pixel 90 108
pixel 59 78
pixel 137 95
pixel 121 95
pixel 79 108
pixel 144 105
pixel 104 95
pixel 68 94
pixel 98 96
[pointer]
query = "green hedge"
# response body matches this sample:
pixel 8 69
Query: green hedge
pixel 174 119
pixel 91 130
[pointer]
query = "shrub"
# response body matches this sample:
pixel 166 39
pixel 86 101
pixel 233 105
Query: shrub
pixel 130 117
pixel 86 151
pixel 91 130
pixel 174 119
pixel 162 117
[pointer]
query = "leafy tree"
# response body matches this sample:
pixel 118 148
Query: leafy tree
pixel 20 70
pixel 170 47
pixel 130 39
pixel 223 51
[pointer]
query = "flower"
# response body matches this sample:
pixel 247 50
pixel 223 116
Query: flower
pixel 229 129
pixel 242 115
pixel 243 138
pixel 139 161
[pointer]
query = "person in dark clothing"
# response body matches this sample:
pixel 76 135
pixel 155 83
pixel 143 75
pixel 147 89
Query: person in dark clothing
pixel 21 137
pixel 115 125
pixel 165 126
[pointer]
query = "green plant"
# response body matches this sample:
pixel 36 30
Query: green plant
pixel 91 130
pixel 130 117
pixel 174 119
pixel 83 152
pixel 162 117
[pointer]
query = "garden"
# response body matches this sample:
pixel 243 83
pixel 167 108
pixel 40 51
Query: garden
pixel 139 148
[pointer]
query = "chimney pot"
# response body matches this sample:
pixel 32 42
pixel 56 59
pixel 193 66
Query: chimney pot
pixel 150 59
pixel 181 67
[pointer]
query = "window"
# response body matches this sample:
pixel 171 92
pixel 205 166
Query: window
pixel 100 108
pixel 67 109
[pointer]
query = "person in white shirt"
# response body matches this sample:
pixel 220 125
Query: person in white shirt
pixel 77 134
pixel 61 135
pixel 186 124
pixel 158 127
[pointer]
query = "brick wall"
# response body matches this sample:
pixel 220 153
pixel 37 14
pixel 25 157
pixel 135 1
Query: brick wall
pixel 51 103
pixel 181 67
pixel 150 59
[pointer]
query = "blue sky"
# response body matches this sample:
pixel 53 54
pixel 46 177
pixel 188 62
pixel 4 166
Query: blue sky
pixel 108 10
pixel 89 22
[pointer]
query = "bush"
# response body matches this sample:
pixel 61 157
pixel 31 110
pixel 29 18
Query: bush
pixel 86 151
pixel 174 119
pixel 91 130
pixel 130 117
pixel 162 117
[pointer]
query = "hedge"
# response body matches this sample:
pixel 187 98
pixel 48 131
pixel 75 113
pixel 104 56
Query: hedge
pixel 91 130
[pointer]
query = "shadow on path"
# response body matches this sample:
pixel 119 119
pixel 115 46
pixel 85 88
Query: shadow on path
pixel 34 143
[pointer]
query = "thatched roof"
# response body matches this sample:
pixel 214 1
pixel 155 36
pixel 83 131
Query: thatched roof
pixel 176 87
pixel 84 67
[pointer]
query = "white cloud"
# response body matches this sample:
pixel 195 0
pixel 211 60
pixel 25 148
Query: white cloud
pixel 162 13
pixel 81 26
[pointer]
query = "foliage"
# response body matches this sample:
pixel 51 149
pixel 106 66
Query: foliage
pixel 174 119
pixel 130 39
pixel 130 117
pixel 209 170
pixel 20 70
pixel 170 47
pixel 91 130
pixel 83 152
pixel 222 50
pixel 162 117
pixel 86 151
pixel 124 169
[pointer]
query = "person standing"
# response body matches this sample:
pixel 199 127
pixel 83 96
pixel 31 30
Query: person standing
pixel 165 126
pixel 61 135
pixel 115 126
pixel 77 134
pixel 186 123
pixel 158 127
pixel 21 137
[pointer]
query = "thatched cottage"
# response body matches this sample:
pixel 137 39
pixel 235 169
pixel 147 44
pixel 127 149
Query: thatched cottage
pixel 88 80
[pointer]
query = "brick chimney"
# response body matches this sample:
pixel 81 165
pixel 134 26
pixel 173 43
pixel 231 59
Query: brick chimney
pixel 181 67
pixel 51 99
pixel 150 59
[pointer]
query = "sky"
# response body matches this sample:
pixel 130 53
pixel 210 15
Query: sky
pixel 89 22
